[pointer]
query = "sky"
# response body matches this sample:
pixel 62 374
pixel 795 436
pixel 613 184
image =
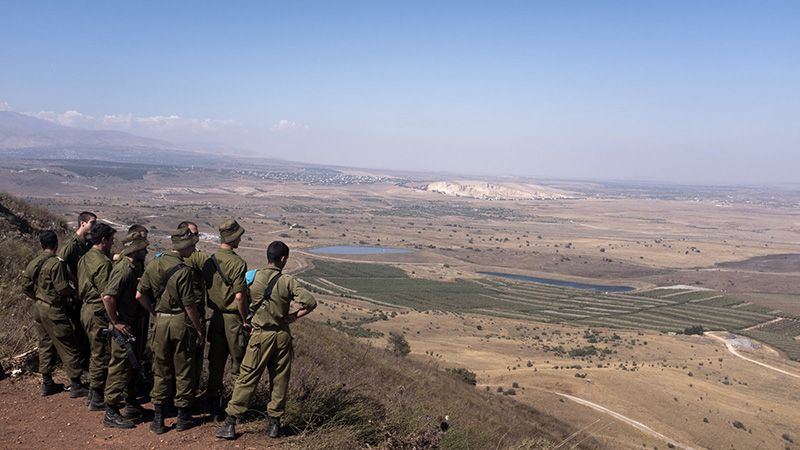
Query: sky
pixel 691 92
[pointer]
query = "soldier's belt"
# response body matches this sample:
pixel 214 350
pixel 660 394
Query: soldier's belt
pixel 268 328
pixel 168 314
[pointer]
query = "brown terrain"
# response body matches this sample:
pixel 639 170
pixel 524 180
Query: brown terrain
pixel 656 389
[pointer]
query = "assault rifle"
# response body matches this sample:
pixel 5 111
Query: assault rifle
pixel 126 342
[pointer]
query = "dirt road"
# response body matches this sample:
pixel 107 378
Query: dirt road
pixel 731 348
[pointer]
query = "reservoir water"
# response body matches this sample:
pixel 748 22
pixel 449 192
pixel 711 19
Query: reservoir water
pixel 357 250
pixel 561 283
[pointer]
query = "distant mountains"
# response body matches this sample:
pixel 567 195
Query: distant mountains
pixel 27 137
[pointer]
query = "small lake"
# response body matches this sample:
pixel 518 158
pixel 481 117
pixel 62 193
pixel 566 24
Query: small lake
pixel 561 283
pixel 358 250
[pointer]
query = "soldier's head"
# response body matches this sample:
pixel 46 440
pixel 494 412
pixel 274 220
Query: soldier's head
pixel 48 239
pixel 191 226
pixel 277 254
pixel 134 246
pixel 230 233
pixel 184 241
pixel 86 220
pixel 136 228
pixel 101 235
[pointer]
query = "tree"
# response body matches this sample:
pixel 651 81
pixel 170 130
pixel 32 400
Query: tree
pixel 398 344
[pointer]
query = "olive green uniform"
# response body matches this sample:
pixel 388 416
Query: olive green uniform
pixel 174 338
pixel 270 344
pixel 51 288
pixel 94 269
pixel 71 252
pixel 122 285
pixel 225 333
pixel 196 261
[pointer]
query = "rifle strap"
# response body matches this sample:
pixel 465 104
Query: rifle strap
pixel 165 279
pixel 217 267
pixel 267 293
pixel 38 269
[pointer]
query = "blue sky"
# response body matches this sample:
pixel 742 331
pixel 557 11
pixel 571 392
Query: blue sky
pixel 701 91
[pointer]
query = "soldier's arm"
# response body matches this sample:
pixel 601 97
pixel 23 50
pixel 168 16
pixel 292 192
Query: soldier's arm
pixel 302 297
pixel 239 286
pixel 144 300
pixel 144 293
pixel 102 276
pixel 109 297
pixel 28 286
pixel 183 286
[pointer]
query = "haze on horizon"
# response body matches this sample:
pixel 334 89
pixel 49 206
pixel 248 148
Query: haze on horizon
pixel 690 92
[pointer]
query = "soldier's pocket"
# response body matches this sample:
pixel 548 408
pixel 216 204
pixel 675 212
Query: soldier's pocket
pixel 62 328
pixel 251 356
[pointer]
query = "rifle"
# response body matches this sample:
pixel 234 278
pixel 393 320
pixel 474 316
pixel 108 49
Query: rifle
pixel 126 342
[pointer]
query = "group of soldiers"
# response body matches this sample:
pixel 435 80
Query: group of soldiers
pixel 103 314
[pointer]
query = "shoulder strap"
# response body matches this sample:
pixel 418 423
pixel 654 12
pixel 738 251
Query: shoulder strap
pixel 224 277
pixel 267 294
pixel 162 286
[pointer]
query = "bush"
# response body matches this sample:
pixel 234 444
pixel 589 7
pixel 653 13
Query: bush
pixel 696 329
pixel 398 344
pixel 465 374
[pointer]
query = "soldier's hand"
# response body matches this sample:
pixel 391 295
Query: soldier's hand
pixel 247 327
pixel 123 328
pixel 289 318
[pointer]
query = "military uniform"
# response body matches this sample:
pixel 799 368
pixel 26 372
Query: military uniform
pixel 174 337
pixel 225 333
pixel 122 285
pixel 94 269
pixel 196 261
pixel 51 288
pixel 71 252
pixel 270 345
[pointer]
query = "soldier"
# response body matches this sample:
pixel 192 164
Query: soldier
pixel 46 281
pixel 71 252
pixel 196 261
pixel 270 344
pixel 119 299
pixel 168 282
pixel 94 269
pixel 227 296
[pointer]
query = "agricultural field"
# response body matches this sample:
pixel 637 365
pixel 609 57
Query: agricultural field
pixel 667 310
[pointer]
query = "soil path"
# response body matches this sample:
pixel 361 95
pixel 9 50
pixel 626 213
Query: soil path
pixel 30 421
pixel 731 348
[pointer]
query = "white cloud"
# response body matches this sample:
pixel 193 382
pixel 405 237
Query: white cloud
pixel 129 122
pixel 285 125
pixel 4 106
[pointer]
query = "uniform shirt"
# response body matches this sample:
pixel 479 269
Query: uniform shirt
pixel 122 285
pixel 93 271
pixel 72 251
pixel 178 293
pixel 196 261
pixel 52 284
pixel 271 313
pixel 220 295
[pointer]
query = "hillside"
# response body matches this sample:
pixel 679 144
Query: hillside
pixel 343 393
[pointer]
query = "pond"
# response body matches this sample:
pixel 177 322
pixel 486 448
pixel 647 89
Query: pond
pixel 357 250
pixel 561 283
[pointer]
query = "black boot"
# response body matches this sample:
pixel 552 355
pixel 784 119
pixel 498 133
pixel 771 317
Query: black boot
pixel 97 403
pixel 228 429
pixel 157 426
pixel 50 387
pixel 274 429
pixel 215 408
pixel 185 420
pixel 133 410
pixel 113 419
pixel 77 389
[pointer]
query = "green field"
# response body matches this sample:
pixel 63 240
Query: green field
pixel 659 309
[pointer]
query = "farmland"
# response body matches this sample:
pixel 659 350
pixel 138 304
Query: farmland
pixel 666 310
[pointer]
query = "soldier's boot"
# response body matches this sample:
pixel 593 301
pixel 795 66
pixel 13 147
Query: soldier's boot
pixel 50 387
pixel 228 429
pixel 77 389
pixel 98 402
pixel 215 408
pixel 157 426
pixel 274 429
pixel 132 410
pixel 113 419
pixel 185 420
pixel 88 400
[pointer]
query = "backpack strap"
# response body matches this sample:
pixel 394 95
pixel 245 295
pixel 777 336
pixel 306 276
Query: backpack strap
pixel 37 271
pixel 267 294
pixel 165 279
pixel 224 277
